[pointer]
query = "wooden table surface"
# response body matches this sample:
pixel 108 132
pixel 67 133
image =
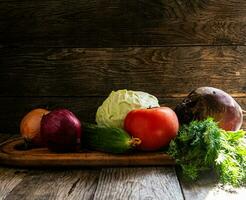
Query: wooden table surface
pixel 146 183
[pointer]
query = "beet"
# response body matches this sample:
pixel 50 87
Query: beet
pixel 211 102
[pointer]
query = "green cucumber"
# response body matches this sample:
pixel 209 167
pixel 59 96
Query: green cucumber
pixel 111 140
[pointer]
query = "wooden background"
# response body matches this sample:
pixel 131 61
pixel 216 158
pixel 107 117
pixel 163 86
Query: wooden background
pixel 69 53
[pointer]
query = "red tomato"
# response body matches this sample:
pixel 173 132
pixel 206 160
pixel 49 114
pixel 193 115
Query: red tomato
pixel 156 127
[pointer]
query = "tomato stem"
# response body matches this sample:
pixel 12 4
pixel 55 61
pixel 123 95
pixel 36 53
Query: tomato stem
pixel 135 142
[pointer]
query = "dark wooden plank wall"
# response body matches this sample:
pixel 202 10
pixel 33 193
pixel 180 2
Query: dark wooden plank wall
pixel 122 22
pixel 73 53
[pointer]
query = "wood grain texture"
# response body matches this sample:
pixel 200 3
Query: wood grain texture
pixel 11 156
pixel 5 136
pixel 77 72
pixel 208 188
pixel 48 70
pixel 65 184
pixel 121 23
pixel 9 178
pixel 138 183
pixel 13 109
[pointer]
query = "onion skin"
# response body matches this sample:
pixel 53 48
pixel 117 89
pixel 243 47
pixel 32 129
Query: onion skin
pixel 30 127
pixel 61 131
pixel 211 102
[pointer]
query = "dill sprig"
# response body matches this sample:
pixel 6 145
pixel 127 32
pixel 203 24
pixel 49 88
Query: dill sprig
pixel 202 145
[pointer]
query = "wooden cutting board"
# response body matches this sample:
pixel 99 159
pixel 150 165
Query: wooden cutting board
pixel 11 155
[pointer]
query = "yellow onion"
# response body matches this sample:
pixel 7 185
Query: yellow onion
pixel 30 126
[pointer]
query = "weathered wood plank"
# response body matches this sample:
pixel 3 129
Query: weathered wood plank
pixel 9 178
pixel 121 23
pixel 55 184
pixel 13 109
pixel 138 183
pixel 207 188
pixel 96 72
pixel 5 136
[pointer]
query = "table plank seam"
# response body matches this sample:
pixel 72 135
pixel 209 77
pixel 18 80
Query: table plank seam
pixel 179 181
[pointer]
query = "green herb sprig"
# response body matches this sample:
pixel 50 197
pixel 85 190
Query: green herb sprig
pixel 202 145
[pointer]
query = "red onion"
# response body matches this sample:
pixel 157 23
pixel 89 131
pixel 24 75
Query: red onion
pixel 61 130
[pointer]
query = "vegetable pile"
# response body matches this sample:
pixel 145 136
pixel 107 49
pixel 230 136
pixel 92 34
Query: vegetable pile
pixel 201 133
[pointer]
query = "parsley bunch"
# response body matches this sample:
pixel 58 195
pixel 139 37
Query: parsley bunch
pixel 202 145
